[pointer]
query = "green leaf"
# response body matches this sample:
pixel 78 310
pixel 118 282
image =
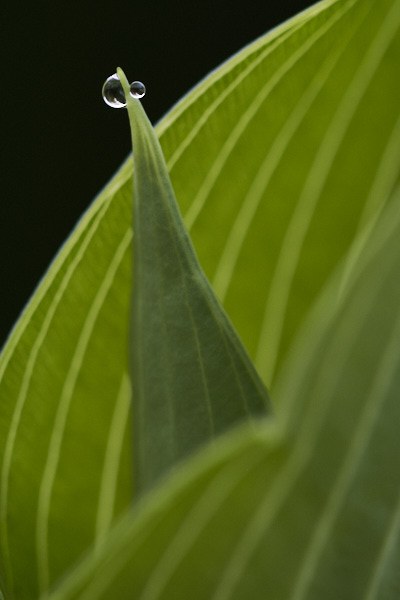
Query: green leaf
pixel 191 375
pixel 278 159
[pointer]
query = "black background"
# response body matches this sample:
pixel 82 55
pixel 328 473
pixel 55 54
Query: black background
pixel 61 143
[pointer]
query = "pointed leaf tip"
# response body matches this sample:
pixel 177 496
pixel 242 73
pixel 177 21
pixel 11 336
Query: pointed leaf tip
pixel 192 377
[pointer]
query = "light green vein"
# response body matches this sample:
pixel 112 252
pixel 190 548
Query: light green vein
pixel 44 285
pixel 318 325
pixel 22 396
pixel 248 115
pixel 344 340
pixel 272 38
pixel 192 527
pixel 109 476
pixel 132 529
pixel 386 370
pixel 383 184
pixel 51 465
pixel 229 256
pixel 206 506
pixel 230 89
pixel 271 330
pixel 390 541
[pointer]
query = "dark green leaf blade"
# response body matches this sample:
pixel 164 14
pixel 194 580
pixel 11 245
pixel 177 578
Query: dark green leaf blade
pixel 192 377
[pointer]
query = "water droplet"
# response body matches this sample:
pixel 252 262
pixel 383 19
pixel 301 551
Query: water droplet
pixel 137 89
pixel 113 94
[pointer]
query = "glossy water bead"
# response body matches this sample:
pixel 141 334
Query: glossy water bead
pixel 113 94
pixel 137 89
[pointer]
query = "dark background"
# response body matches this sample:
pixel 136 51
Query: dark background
pixel 60 142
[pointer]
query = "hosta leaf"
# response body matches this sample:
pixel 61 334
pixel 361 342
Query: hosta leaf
pixel 191 375
pixel 277 159
pixel 311 511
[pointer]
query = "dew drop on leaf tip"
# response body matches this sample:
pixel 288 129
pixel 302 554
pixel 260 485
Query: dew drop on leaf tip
pixel 137 89
pixel 113 94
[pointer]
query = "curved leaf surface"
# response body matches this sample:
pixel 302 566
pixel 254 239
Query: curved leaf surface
pixel 277 159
